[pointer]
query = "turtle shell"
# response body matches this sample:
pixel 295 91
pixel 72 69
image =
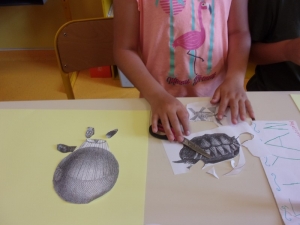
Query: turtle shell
pixel 219 146
pixel 85 175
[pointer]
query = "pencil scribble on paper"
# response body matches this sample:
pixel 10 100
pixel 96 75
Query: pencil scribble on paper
pixel 291 211
pixel 219 145
pixel 291 184
pixel 87 173
pixel 254 127
pixel 280 143
pixel 275 182
pixel 281 166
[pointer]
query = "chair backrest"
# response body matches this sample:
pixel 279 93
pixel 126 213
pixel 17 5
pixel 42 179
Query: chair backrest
pixel 84 44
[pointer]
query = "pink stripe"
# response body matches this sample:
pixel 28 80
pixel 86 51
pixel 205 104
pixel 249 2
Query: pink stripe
pixel 177 8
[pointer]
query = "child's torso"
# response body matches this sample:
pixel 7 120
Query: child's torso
pixel 184 43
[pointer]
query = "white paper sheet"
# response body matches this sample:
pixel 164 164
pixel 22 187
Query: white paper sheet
pixel 239 167
pixel 232 162
pixel 282 166
pixel 212 171
pixel 173 148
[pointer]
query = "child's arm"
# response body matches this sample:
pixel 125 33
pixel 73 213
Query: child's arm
pixel 126 43
pixel 269 53
pixel 231 92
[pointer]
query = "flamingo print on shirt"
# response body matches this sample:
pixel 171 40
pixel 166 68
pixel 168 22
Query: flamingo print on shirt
pixel 191 40
pixel 172 8
pixel 194 39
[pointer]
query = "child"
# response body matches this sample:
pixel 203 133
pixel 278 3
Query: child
pixel 184 48
pixel 275 32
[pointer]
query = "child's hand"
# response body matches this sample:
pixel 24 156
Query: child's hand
pixel 172 113
pixel 231 94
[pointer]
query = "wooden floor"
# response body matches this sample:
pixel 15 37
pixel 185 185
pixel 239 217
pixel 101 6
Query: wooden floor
pixel 34 75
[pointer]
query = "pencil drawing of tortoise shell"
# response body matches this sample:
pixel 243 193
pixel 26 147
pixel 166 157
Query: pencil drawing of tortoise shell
pixel 85 175
pixel 219 145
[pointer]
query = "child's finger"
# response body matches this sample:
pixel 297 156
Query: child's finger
pixel 242 110
pixel 176 127
pixel 216 97
pixel 167 128
pixel 222 108
pixel 154 123
pixel 234 108
pixel 250 109
pixel 186 127
pixel 184 120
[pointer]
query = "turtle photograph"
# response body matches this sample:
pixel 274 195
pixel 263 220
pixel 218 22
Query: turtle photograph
pixel 219 146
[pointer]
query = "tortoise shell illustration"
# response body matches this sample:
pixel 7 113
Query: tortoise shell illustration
pixel 219 145
pixel 86 174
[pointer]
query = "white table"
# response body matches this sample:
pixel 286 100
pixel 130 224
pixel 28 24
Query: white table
pixel 195 198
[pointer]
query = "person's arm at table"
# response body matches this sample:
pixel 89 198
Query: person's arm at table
pixel 269 53
pixel 231 92
pixel 164 106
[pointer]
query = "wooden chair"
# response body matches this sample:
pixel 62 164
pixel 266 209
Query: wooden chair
pixel 83 44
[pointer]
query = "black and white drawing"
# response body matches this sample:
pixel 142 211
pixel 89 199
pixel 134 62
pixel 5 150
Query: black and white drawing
pixel 218 145
pixel 205 114
pixel 65 148
pixel 111 133
pixel 89 132
pixel 87 173
pixel 202 111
